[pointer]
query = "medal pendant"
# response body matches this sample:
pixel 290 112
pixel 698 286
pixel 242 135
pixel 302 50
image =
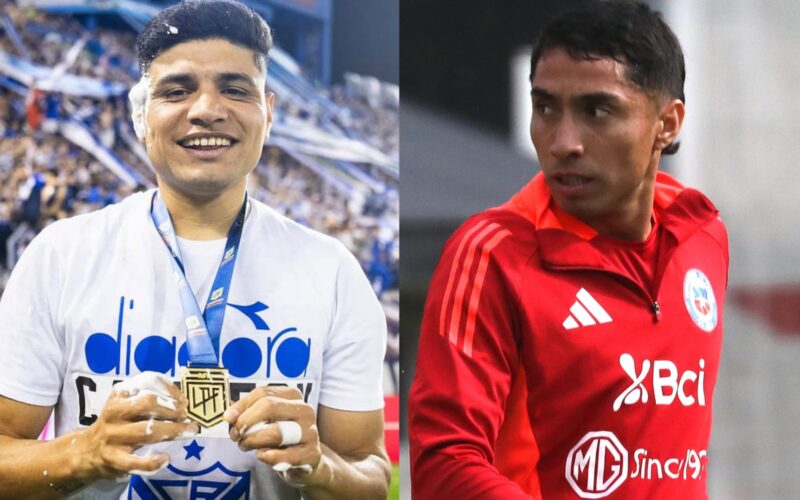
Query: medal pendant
pixel 208 391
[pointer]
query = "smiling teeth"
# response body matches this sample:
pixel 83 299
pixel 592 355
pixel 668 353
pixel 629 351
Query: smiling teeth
pixel 208 141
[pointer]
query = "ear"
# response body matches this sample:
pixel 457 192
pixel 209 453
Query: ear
pixel 270 106
pixel 670 122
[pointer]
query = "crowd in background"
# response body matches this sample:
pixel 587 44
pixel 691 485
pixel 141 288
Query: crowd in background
pixel 47 177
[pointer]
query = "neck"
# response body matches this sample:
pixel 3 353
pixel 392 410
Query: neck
pixel 633 222
pixel 202 217
pixel 630 226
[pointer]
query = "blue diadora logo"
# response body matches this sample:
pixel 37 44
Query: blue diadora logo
pixel 287 352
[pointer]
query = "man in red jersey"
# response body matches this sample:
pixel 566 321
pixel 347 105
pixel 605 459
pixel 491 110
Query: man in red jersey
pixel 571 336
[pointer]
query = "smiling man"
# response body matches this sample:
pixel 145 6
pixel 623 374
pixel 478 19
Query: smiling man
pixel 571 336
pixel 271 331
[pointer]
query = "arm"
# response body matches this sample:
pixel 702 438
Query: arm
pixel 343 442
pixel 460 389
pixel 23 459
pixel 354 454
pixel 48 469
pixel 343 448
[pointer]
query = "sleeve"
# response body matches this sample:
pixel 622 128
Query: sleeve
pixel 352 372
pixel 32 359
pixel 465 362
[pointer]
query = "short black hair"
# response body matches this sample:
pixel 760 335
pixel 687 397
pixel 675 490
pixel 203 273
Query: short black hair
pixel 203 20
pixel 627 31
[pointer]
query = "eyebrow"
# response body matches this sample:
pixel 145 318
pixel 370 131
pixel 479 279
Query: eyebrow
pixel 221 79
pixel 236 77
pixel 541 93
pixel 177 79
pixel 600 98
pixel 590 98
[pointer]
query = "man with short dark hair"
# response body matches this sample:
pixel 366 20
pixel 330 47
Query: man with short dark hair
pixel 272 329
pixel 571 336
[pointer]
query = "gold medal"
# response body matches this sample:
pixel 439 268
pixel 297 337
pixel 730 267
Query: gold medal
pixel 209 394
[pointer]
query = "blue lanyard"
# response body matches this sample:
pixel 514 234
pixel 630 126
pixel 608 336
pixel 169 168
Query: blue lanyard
pixel 202 330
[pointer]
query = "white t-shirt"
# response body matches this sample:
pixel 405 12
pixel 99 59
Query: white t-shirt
pixel 94 300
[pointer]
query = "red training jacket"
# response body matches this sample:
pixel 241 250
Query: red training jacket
pixel 544 370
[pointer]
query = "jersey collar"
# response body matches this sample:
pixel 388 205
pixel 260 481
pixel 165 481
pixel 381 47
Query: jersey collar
pixel 565 241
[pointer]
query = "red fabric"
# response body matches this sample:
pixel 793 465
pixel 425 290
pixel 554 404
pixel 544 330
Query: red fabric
pixel 637 258
pixel 497 312
pixel 391 430
pixel 34 109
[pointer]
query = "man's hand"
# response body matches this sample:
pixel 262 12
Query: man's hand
pixel 129 420
pixel 283 428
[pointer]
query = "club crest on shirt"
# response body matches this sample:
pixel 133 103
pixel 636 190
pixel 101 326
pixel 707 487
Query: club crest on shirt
pixel 213 482
pixel 698 295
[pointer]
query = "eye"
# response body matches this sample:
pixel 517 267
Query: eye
pixel 235 91
pixel 597 112
pixel 541 108
pixel 176 93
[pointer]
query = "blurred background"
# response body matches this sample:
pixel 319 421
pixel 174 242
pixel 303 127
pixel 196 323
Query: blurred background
pixel 67 145
pixel 464 123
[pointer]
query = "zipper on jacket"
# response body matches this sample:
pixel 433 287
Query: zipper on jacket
pixel 652 301
pixel 656 310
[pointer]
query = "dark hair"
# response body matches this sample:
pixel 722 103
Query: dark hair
pixel 627 31
pixel 203 20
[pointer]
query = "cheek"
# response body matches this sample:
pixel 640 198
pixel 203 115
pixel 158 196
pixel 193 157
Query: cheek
pixel 539 136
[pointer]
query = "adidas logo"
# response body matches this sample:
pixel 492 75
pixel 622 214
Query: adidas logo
pixel 586 311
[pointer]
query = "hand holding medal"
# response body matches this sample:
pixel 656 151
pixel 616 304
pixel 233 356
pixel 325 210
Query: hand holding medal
pixel 142 410
pixel 282 427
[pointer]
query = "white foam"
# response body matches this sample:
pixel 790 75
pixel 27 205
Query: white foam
pixel 138 97
pixel 147 383
pixel 186 435
pixel 284 466
pixel 252 430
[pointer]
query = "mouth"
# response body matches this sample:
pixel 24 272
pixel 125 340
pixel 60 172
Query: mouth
pixel 207 145
pixel 570 180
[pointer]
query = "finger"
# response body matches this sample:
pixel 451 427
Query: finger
pixel 274 435
pixel 145 406
pixel 128 463
pixel 176 393
pixel 294 456
pixel 272 409
pixel 151 431
pixel 239 407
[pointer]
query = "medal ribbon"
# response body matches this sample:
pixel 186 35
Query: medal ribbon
pixel 202 330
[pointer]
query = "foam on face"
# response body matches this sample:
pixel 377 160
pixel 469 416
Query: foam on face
pixel 138 96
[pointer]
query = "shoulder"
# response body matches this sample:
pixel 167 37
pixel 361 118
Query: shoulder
pixel 99 225
pixel 489 251
pixel 716 229
pixel 497 231
pixel 292 239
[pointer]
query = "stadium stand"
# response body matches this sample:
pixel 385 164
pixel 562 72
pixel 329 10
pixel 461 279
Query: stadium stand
pixel 68 146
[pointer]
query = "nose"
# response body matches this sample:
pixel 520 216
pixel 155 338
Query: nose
pixel 207 109
pixel 566 141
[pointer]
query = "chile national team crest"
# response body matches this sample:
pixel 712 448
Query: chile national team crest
pixel 699 299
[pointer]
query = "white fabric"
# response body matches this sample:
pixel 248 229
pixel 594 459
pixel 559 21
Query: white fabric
pixel 93 299
pixel 201 261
